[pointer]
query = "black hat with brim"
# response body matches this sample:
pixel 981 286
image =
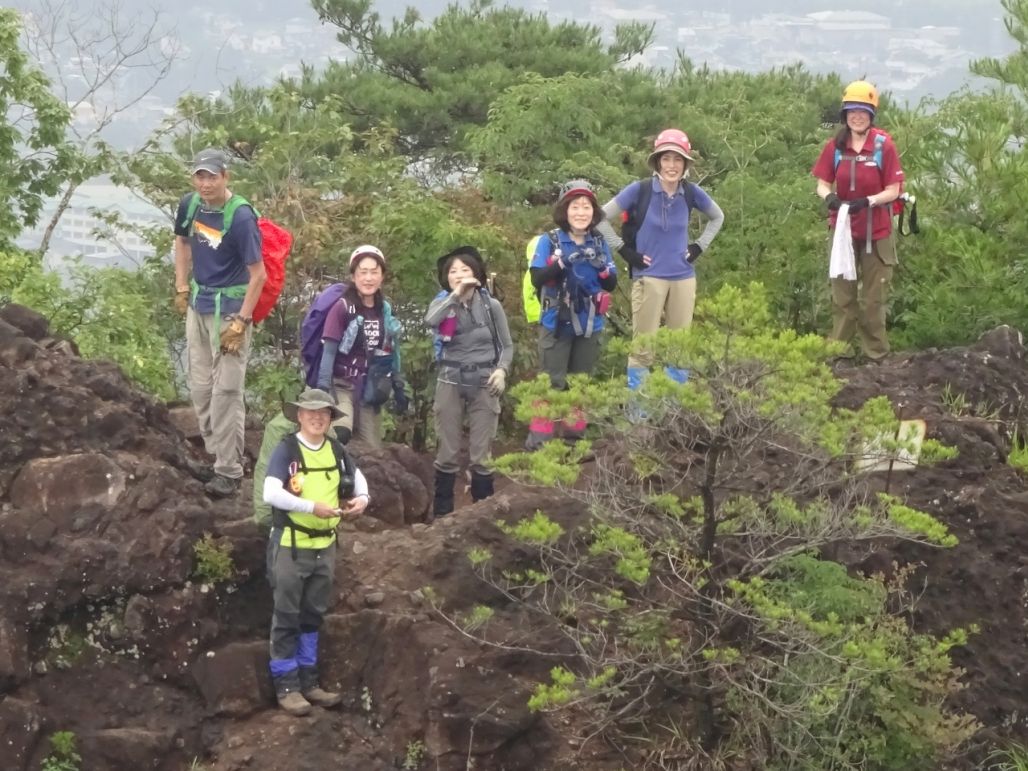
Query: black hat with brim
pixel 470 256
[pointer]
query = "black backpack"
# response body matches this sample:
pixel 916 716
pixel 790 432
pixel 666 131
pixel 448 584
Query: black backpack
pixel 632 220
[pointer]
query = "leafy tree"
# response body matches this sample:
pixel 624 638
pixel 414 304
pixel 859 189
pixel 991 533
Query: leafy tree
pixel 434 81
pixel 102 62
pixel 33 152
pixel 967 272
pixel 698 595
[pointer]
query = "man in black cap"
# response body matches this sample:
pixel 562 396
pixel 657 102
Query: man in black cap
pixel 219 273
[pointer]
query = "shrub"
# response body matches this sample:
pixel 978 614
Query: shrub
pixel 697 593
pixel 213 560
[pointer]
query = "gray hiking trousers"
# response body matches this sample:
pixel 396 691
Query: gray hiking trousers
pixel 302 591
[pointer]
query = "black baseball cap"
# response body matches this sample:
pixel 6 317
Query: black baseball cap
pixel 212 159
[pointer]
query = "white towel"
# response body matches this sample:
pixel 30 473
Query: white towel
pixel 843 262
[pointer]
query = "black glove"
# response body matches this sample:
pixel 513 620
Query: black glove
pixel 400 403
pixel 632 257
pixel 832 202
pixel 858 204
pixel 551 272
pixel 695 250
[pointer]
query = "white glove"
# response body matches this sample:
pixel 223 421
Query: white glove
pixel 497 382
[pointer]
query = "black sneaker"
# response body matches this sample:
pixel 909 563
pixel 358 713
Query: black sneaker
pixel 201 471
pixel 222 487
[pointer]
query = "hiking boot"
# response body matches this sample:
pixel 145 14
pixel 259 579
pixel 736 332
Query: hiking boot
pixel 294 703
pixel 222 487
pixel 319 697
pixel 481 486
pixel 201 471
pixel 442 503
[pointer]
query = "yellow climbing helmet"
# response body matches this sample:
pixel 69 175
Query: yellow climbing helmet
pixel 860 95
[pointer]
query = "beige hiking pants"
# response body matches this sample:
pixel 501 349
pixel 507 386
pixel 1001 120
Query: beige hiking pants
pixel 216 382
pixel 653 298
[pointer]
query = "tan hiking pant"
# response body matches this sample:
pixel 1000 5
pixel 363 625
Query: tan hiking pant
pixel 850 315
pixel 368 419
pixel 483 411
pixel 216 382
pixel 653 298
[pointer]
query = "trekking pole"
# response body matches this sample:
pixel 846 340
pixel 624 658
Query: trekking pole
pixel 490 283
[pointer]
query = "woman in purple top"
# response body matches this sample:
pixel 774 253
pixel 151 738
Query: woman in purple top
pixel 661 257
pixel 359 339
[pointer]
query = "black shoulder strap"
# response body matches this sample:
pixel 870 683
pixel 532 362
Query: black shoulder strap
pixel 295 455
pixel 642 203
pixel 341 454
pixel 488 303
pixel 689 191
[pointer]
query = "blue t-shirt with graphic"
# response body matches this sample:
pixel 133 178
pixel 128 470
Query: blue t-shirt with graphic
pixel 219 262
pixel 582 278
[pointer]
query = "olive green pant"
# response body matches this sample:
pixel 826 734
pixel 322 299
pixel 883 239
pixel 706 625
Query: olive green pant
pixel 653 298
pixel 853 314
pixel 483 413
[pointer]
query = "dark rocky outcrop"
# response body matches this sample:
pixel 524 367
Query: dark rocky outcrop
pixel 105 631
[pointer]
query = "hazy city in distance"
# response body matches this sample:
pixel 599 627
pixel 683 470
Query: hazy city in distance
pixel 912 48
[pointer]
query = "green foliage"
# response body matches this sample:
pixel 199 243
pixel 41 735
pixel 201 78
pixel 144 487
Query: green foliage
pixel 434 81
pixel 66 645
pixel 272 382
pixel 1012 758
pixel 479 616
pixel 110 313
pixel 213 559
pixel 479 556
pixel 413 755
pixel 64 754
pixel 918 522
pixel 34 155
pixel 1018 456
pixel 558 692
pixel 632 561
pixel 872 694
pixel 678 582
pixel 540 530
pixel 965 156
pixel 934 451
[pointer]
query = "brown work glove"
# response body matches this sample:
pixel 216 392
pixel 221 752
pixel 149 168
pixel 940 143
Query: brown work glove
pixel 182 301
pixel 234 335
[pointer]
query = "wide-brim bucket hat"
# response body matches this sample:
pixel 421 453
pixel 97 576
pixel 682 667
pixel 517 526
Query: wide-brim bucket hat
pixel 470 256
pixel 670 141
pixel 312 399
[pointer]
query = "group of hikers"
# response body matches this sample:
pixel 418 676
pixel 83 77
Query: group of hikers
pixel 312 482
